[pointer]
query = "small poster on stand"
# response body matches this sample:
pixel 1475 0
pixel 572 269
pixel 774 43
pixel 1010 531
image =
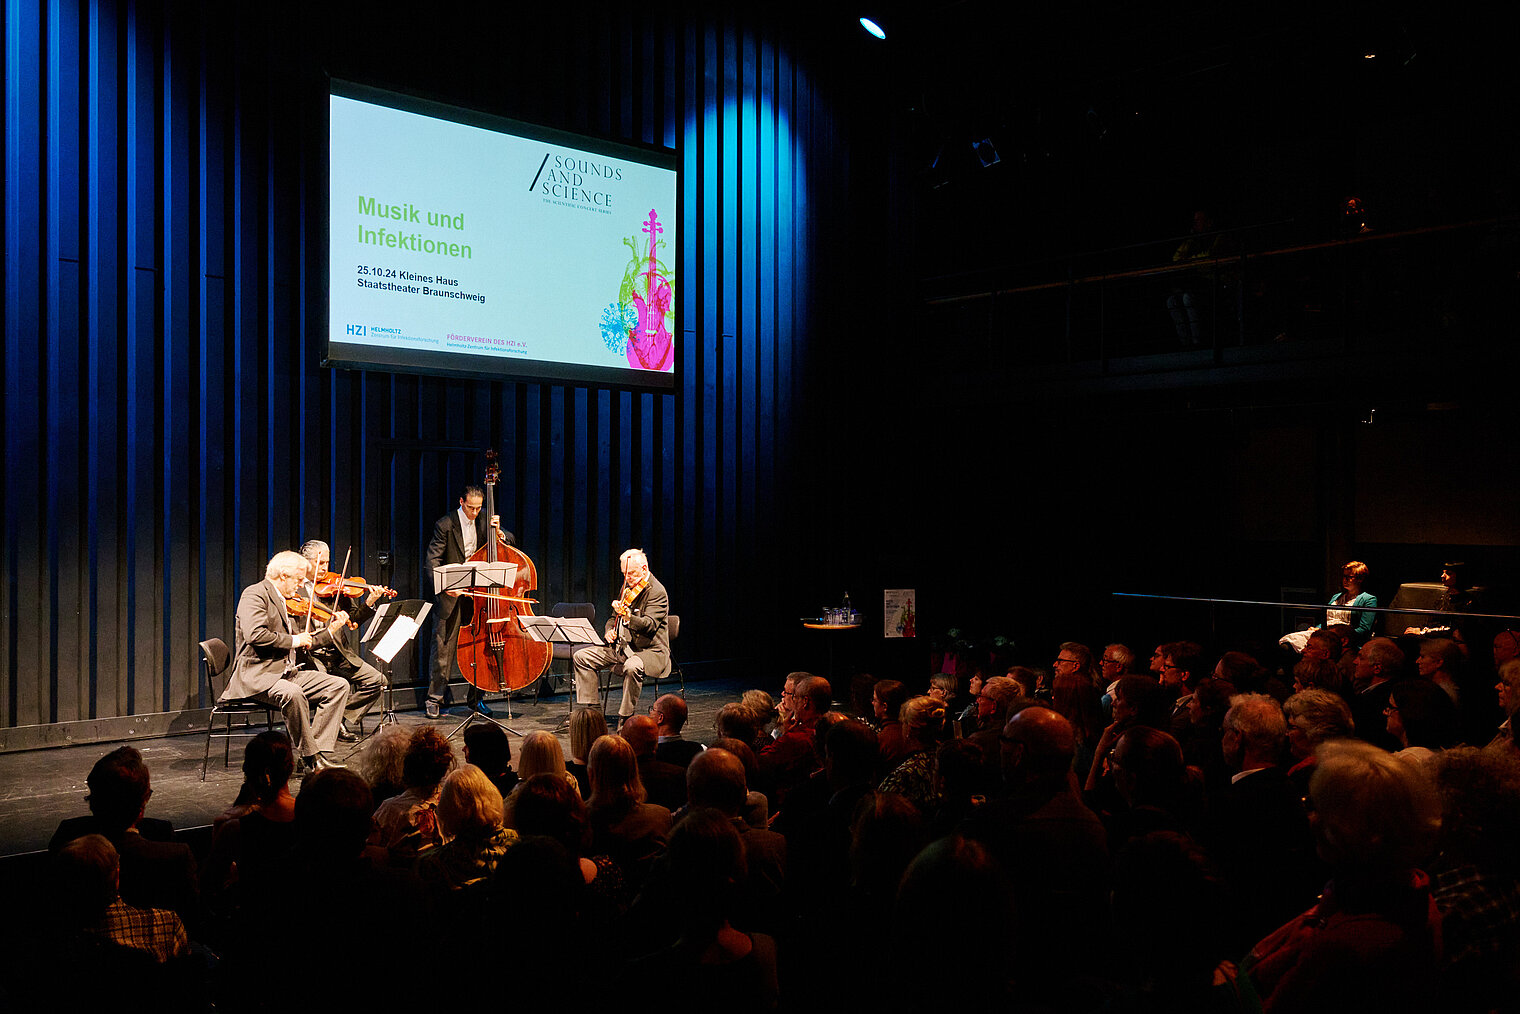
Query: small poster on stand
pixel 898 612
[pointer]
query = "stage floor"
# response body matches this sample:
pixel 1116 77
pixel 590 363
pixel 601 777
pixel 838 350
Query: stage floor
pixel 39 788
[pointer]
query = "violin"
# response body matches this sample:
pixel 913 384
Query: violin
pixel 315 612
pixel 330 583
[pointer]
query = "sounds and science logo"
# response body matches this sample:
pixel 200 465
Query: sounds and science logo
pixel 578 179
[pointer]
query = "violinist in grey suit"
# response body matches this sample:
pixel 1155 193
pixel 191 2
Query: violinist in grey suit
pixel 637 639
pixel 456 537
pixel 271 665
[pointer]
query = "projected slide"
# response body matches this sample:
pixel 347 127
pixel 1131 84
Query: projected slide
pixel 468 248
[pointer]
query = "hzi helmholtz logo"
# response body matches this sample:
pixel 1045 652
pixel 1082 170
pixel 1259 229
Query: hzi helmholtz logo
pixel 356 330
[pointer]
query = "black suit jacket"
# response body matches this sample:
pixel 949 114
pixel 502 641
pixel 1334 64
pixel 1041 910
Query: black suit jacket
pixel 447 546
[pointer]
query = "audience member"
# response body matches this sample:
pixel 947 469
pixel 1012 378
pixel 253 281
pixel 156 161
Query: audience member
pixel 787 763
pixel 586 727
pixel 664 783
pixel 622 825
pixel 1313 716
pixel 1422 718
pixel 669 714
pixel 922 720
pixel 887 700
pixel 470 819
pixel 407 825
pixel 156 871
pixel 487 747
pixel 1370 943
pixel 1377 665
pixel 382 760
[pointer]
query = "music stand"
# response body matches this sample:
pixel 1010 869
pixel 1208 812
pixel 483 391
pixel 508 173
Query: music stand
pixel 561 630
pixel 394 624
pixel 472 578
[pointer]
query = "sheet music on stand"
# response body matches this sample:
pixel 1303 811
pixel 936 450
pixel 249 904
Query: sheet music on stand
pixel 560 629
pixel 399 622
pixel 473 576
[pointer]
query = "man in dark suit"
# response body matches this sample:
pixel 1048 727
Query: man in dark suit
pixel 156 871
pixel 271 665
pixel 637 641
pixel 365 682
pixel 669 714
pixel 664 782
pixel 456 537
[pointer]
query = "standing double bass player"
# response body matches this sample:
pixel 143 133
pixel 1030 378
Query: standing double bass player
pixel 456 537
pixel 637 639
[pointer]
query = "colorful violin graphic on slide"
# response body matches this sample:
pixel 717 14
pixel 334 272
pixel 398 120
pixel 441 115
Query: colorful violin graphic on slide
pixel 647 287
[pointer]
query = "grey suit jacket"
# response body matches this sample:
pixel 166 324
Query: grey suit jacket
pixel 264 641
pixel 651 638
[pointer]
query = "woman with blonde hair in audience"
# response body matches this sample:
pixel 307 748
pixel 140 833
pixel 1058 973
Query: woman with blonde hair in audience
pixel 622 824
pixel 586 727
pixel 923 718
pixel 470 819
pixel 1440 661
pixel 541 754
pixel 1509 702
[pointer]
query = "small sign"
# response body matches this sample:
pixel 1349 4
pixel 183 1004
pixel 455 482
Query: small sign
pixel 898 613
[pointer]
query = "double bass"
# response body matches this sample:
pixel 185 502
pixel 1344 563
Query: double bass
pixel 495 653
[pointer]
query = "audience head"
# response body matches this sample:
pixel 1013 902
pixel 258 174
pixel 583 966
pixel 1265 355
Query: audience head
pixel 963 869
pixel 614 772
pixel 268 762
pixel 1480 804
pixel 1316 673
pixel 1380 659
pixel 887 834
pixel 1075 659
pixel 923 718
pixel 333 814
pixel 715 779
pixel 541 754
pixel 1509 687
pixel 997 696
pixel 736 720
pixel 1210 701
pixel 851 755
pixel 549 805
pixel 1374 814
pixel 862 692
pixel 641 733
pixel 1148 767
pixel 888 698
pixel 1078 700
pixel 586 726
pixel 1140 700
pixel 669 713
pixel 708 867
pixel 1506 646
pixel 384 758
pixel 1116 661
pixel 1439 654
pixel 1314 716
pixel 1254 731
pixel 1420 713
pixel 790 690
pixel 88 873
pixel 428 758
pixel 1027 679
pixel 468 804
pixel 960 770
pixel 811 699
pixel 1037 745
pixel 942 686
pixel 1239 668
pixel 119 788
pixel 1182 664
pixel 741 749
pixel 763 704
pixel 1323 646
pixel 486 746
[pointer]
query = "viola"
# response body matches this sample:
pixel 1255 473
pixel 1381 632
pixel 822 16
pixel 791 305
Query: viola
pixel 495 653
pixel 316 612
pixel 330 583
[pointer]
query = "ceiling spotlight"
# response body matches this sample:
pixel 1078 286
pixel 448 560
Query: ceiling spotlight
pixel 873 28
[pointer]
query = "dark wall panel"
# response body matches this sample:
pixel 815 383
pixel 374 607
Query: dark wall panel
pixel 167 425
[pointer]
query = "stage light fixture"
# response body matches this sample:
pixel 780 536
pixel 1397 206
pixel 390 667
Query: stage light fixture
pixel 985 152
pixel 873 28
